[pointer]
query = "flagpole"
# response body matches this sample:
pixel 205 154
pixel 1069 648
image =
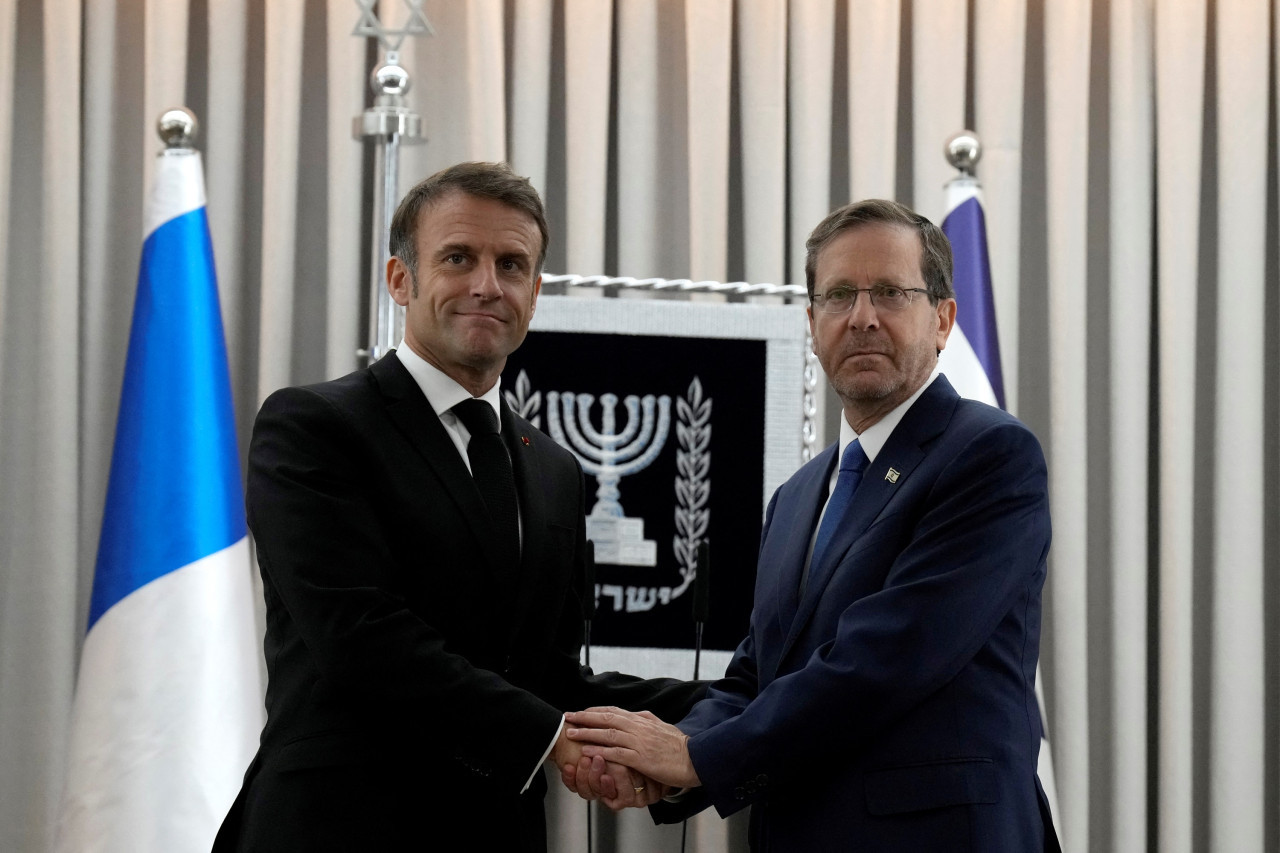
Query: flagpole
pixel 972 359
pixel 168 703
pixel 387 124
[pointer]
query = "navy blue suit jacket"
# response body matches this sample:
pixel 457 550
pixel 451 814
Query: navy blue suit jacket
pixel 893 706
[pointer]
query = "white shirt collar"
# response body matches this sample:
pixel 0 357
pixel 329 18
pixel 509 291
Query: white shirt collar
pixel 441 390
pixel 874 437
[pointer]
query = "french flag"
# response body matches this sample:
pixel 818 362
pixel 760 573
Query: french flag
pixel 971 360
pixel 168 702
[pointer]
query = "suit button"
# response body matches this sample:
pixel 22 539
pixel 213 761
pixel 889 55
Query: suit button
pixel 762 781
pixel 751 787
pixel 739 794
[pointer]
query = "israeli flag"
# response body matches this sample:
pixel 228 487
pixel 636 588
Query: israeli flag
pixel 168 703
pixel 971 360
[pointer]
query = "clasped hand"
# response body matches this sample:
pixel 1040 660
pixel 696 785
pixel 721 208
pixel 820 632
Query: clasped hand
pixel 622 758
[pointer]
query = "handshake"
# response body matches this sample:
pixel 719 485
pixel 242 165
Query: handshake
pixel 622 758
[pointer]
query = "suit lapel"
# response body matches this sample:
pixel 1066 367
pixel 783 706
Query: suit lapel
pixel 409 410
pixel 800 522
pixel 905 449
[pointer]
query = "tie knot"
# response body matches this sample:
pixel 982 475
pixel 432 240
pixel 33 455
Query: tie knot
pixel 477 416
pixel 854 459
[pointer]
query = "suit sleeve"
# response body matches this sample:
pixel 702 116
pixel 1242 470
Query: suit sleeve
pixel 725 699
pixel 730 695
pixel 574 687
pixel 977 548
pixel 326 559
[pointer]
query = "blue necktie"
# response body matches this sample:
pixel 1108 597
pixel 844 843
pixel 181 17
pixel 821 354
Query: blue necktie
pixel 852 464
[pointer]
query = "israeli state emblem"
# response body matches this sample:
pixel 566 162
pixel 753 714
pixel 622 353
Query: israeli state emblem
pixel 613 443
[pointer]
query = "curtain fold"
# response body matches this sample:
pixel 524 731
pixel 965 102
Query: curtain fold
pixel 1129 174
pixel 875 30
pixel 1236 711
pixel 708 36
pixel 588 46
pixel 530 90
pixel 939 66
pixel 640 165
pixel 762 113
pixel 1130 162
pixel 999 58
pixel 810 76
pixel 1066 134
pixel 348 283
pixel 1180 30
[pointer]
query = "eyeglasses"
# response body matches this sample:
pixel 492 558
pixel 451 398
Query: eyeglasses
pixel 885 297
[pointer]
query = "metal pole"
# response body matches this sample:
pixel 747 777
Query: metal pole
pixel 387 123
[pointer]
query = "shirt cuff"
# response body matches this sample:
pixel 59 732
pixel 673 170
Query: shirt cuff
pixel 545 756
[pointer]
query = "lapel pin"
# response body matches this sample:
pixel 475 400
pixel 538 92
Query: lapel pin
pixel 525 439
pixel 892 475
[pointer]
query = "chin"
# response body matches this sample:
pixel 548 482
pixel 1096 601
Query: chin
pixel 868 389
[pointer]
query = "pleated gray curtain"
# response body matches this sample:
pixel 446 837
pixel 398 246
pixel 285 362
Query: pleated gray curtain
pixel 1130 172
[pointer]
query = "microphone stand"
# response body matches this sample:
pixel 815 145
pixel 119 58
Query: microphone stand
pixel 701 610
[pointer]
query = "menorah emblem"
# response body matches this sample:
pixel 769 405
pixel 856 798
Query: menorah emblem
pixel 609 455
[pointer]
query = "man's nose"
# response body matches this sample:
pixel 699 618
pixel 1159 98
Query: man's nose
pixel 863 313
pixel 484 283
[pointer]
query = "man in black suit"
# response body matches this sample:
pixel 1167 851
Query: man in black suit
pixel 424 625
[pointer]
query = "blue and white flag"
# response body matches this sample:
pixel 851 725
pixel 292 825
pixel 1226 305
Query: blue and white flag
pixel 168 703
pixel 971 360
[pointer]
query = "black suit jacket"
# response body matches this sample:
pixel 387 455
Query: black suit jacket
pixel 414 679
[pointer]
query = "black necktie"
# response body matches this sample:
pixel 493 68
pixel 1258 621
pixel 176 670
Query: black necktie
pixel 491 468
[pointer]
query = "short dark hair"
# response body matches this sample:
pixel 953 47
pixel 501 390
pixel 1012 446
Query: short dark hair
pixel 935 248
pixel 494 181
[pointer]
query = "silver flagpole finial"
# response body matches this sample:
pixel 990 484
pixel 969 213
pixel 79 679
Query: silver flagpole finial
pixel 387 124
pixel 963 151
pixel 177 128
pixel 390 79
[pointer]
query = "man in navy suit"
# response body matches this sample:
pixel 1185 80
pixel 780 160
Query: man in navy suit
pixel 884 698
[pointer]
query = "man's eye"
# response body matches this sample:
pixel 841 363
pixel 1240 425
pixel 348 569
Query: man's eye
pixel 456 258
pixel 839 294
pixel 889 292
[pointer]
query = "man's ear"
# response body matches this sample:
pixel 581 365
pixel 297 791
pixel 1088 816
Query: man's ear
pixel 533 300
pixel 946 321
pixel 399 281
